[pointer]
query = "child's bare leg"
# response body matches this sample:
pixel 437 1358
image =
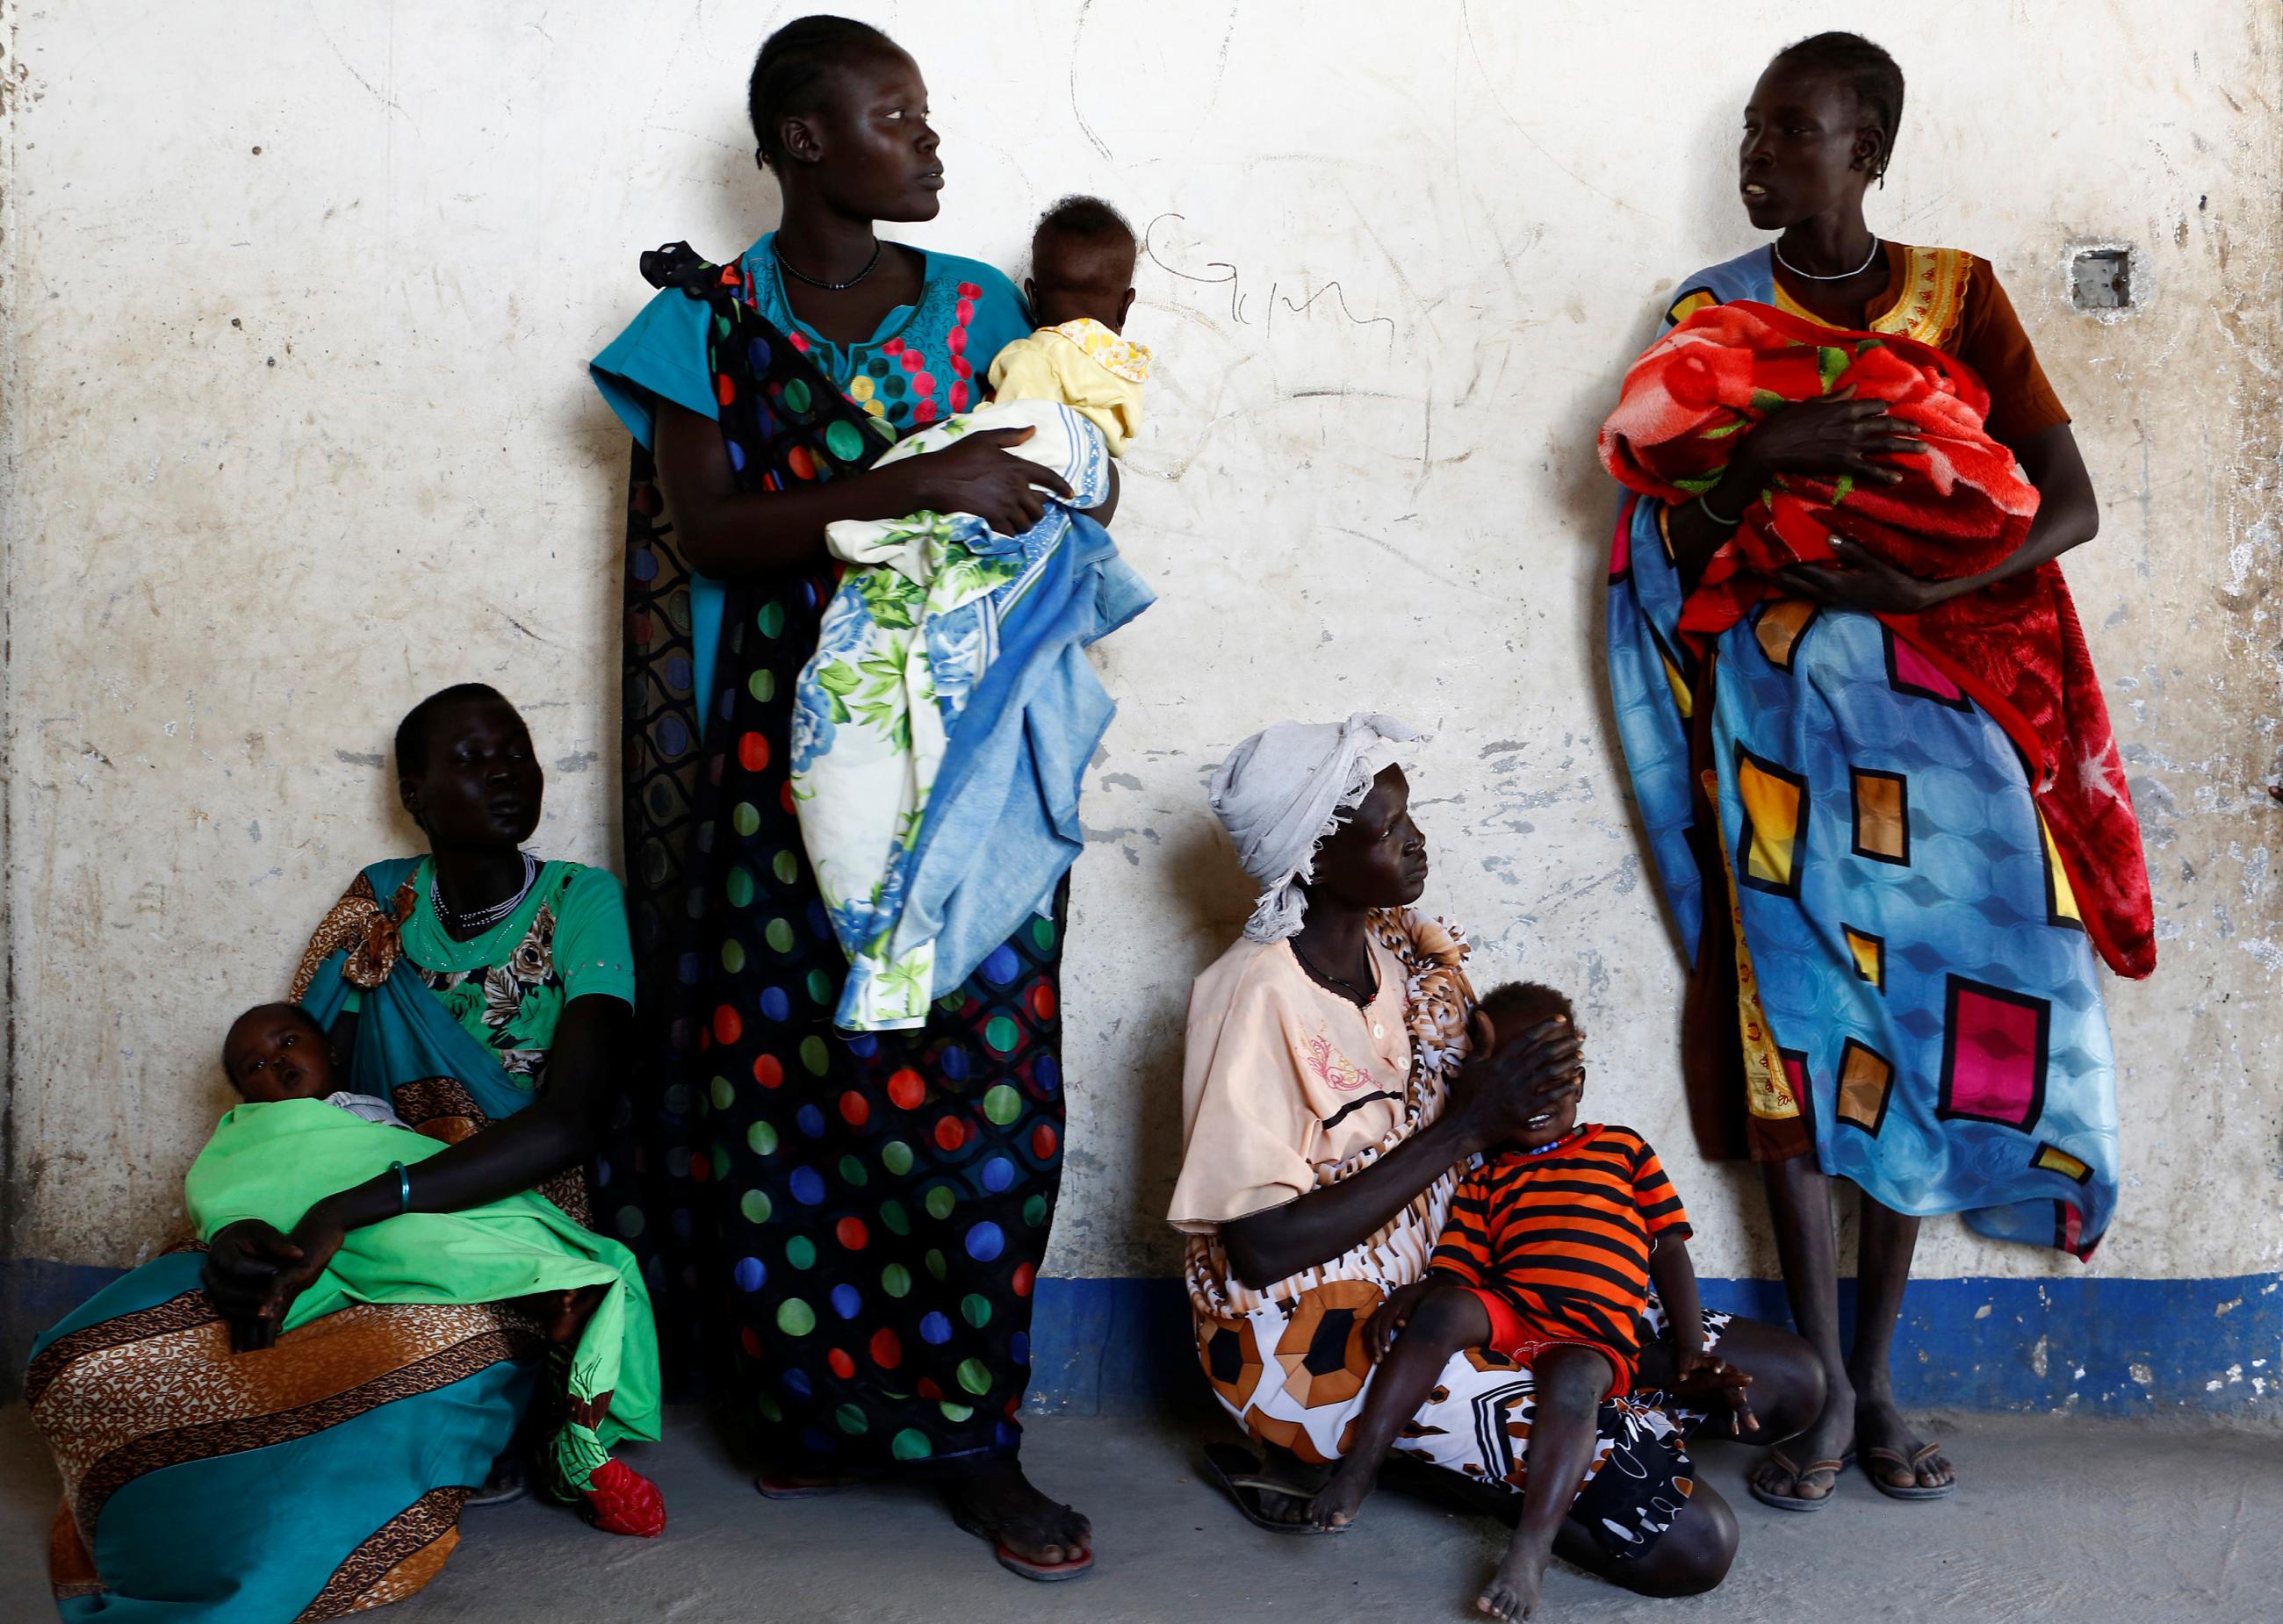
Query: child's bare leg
pixel 563 1315
pixel 1442 1323
pixel 1570 1382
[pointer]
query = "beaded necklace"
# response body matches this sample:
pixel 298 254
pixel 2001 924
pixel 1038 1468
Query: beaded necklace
pixel 463 926
pixel 1570 1138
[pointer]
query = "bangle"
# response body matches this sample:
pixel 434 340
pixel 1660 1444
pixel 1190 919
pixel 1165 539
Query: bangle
pixel 403 1186
pixel 1725 524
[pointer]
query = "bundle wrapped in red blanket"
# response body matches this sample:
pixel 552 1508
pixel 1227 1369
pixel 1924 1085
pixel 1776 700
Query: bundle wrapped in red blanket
pixel 1962 506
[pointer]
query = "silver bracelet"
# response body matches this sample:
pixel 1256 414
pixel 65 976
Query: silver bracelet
pixel 1716 518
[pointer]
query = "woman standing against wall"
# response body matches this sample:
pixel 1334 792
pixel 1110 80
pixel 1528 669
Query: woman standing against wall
pixel 853 1225
pixel 1893 979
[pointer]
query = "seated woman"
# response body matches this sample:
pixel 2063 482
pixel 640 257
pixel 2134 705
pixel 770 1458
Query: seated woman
pixel 219 1465
pixel 1329 1104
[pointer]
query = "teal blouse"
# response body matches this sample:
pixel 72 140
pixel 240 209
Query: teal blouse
pixel 508 987
pixel 925 361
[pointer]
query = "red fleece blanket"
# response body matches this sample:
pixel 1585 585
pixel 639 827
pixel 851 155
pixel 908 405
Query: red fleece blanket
pixel 1962 505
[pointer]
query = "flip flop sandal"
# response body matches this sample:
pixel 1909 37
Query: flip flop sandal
pixel 497 1494
pixel 1022 1566
pixel 508 1481
pixel 1241 1476
pixel 785 1486
pixel 1828 1470
pixel 1469 1495
pixel 1893 1460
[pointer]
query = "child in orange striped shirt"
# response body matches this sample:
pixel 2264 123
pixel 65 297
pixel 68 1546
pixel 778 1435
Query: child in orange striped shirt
pixel 1547 1258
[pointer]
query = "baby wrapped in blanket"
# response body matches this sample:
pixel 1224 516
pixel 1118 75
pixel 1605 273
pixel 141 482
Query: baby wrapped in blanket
pixel 1961 505
pixel 297 1140
pixel 927 611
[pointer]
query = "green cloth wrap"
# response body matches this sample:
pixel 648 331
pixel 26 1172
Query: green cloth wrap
pixel 275 1161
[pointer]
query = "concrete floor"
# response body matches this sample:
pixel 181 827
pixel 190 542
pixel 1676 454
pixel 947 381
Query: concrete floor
pixel 2166 1526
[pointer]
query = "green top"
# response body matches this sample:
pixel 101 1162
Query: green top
pixel 507 987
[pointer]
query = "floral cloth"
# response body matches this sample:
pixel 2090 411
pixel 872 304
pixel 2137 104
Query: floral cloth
pixel 904 642
pixel 507 987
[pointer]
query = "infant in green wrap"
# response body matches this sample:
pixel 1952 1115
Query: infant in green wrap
pixel 298 1138
pixel 277 1051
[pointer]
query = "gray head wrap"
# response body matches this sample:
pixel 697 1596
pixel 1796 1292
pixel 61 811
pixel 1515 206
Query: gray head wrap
pixel 1284 789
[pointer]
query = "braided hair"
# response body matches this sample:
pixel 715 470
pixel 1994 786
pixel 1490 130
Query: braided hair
pixel 791 69
pixel 1865 69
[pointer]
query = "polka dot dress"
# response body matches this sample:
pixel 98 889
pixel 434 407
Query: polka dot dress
pixel 845 1230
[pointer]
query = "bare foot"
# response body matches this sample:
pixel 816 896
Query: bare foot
pixel 1880 1426
pixel 1512 1593
pixel 1334 1506
pixel 1035 1528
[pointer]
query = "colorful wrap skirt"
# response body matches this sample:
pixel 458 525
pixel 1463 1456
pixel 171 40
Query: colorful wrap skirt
pixel 317 1478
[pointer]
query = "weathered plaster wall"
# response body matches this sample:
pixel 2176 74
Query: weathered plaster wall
pixel 301 431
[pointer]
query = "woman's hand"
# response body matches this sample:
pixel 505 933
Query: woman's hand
pixel 1859 581
pixel 315 1238
pixel 1828 438
pixel 245 1263
pixel 981 476
pixel 1497 1093
pixel 1389 1318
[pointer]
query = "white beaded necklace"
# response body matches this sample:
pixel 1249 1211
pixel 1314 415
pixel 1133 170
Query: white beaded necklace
pixel 465 924
pixel 1841 277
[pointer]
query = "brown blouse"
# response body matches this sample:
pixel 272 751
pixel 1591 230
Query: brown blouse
pixel 1952 300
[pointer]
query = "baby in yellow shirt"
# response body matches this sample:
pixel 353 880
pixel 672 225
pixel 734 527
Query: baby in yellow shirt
pixel 1081 287
pixel 1076 365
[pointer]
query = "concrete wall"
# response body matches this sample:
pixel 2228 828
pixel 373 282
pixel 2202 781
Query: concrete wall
pixel 300 431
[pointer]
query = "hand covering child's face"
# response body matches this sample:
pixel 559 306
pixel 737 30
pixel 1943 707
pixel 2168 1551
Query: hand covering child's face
pixel 1510 1027
pixel 276 1053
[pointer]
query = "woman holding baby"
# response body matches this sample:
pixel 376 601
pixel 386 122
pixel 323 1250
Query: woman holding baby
pixel 1340 1080
pixel 847 1160
pixel 287 1422
pixel 1869 746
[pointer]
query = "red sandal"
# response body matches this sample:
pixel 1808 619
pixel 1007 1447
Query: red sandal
pixel 620 1500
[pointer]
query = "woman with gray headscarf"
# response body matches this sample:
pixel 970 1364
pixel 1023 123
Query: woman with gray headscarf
pixel 1329 1101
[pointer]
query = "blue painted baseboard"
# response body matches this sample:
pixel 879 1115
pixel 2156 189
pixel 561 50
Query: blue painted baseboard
pixel 2091 1346
pixel 2098 1347
pixel 33 1294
